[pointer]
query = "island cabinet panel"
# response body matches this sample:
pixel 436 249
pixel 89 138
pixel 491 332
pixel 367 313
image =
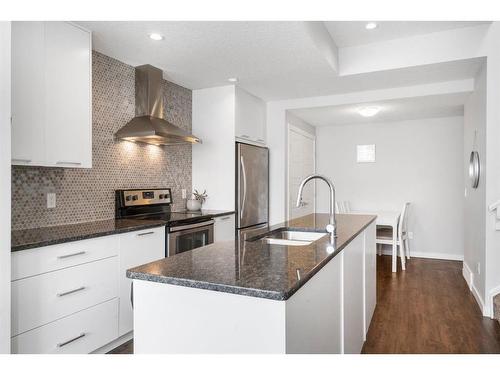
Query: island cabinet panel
pixel 136 248
pixel 171 319
pixel 314 313
pixel 370 281
pixel 353 299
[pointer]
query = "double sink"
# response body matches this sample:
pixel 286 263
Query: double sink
pixel 290 237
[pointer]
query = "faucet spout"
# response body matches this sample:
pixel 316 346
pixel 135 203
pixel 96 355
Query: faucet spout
pixel 332 225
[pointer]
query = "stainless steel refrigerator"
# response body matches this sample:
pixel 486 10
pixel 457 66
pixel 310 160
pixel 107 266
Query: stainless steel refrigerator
pixel 252 187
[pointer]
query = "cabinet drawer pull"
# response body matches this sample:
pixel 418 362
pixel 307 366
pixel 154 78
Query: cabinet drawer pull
pixel 260 140
pixel 68 162
pixel 71 255
pixel 225 218
pixel 71 291
pixel 61 344
pixel 22 160
pixel 145 233
pixel 245 136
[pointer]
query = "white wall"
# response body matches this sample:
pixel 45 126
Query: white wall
pixel 213 160
pixel 474 205
pixel 492 47
pixel 419 161
pixel 5 187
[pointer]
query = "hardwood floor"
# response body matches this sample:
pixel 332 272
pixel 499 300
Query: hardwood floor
pixel 126 348
pixel 428 309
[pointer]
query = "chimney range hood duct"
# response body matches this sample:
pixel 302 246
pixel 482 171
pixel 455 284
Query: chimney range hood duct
pixel 148 125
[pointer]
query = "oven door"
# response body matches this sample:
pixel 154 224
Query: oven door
pixel 188 237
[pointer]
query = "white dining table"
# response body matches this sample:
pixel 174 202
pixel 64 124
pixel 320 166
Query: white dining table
pixel 389 219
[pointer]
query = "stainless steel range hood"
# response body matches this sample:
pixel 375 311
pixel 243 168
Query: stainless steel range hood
pixel 148 125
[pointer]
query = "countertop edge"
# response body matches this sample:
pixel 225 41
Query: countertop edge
pixel 84 237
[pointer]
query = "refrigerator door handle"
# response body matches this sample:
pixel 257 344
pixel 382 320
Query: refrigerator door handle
pixel 244 186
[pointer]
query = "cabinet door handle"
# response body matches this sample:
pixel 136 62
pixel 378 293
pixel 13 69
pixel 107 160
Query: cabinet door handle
pixel 132 294
pixel 71 255
pixel 22 160
pixel 68 163
pixel 225 218
pixel 145 233
pixel 245 136
pixel 61 344
pixel 71 291
pixel 260 140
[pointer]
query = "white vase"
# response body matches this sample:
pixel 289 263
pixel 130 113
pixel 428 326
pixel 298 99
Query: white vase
pixel 193 205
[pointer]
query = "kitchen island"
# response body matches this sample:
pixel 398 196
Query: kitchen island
pixel 248 296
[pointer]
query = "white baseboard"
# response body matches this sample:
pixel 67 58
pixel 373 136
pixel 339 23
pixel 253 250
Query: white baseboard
pixel 469 279
pixel 114 344
pixel 468 275
pixel 416 254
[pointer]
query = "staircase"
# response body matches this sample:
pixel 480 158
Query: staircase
pixel 496 307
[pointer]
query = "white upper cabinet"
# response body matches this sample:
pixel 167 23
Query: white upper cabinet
pixel 250 119
pixel 51 95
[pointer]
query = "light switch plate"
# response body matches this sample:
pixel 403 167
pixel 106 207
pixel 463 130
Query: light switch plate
pixel 410 235
pixel 183 193
pixel 51 200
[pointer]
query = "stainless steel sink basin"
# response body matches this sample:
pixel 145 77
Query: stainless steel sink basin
pixel 292 237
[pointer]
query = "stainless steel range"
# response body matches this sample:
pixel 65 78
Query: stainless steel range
pixel 184 230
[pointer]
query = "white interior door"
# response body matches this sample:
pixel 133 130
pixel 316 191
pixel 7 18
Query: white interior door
pixel 301 163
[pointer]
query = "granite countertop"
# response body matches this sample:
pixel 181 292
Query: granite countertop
pixel 254 268
pixel 37 237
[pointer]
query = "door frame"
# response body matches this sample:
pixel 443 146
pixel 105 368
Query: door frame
pixel 295 129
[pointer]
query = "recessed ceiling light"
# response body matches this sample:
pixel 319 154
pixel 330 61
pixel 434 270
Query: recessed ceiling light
pixel 156 36
pixel 371 26
pixel 234 80
pixel 369 111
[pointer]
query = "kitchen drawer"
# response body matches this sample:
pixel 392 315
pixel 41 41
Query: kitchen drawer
pixel 79 333
pixel 32 262
pixel 136 248
pixel 44 298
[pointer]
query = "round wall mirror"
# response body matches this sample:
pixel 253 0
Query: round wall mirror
pixel 474 169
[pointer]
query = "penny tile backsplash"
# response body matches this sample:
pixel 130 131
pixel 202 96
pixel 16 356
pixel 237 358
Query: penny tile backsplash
pixel 88 194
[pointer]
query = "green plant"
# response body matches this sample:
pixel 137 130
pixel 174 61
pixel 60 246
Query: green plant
pixel 202 197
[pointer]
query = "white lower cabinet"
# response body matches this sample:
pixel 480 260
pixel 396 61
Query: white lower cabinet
pixel 370 274
pixel 136 248
pixel 44 298
pixel 354 315
pixel 82 332
pixel 224 228
pixel 75 297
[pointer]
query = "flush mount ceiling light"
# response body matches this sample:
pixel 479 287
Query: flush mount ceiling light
pixel 156 36
pixel 371 26
pixel 234 80
pixel 369 111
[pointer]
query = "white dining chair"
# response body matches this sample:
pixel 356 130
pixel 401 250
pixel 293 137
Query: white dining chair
pixel 384 236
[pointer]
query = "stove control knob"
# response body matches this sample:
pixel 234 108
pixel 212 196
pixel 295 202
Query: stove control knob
pixel 128 197
pixel 162 196
pixel 135 197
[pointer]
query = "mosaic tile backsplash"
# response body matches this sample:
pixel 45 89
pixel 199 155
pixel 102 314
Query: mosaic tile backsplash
pixel 84 195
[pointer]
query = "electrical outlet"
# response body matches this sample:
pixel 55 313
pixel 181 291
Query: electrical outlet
pixel 478 266
pixel 51 200
pixel 410 235
pixel 183 193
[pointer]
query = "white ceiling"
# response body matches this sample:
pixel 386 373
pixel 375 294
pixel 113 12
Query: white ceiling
pixel 273 60
pixel 353 33
pixel 392 110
